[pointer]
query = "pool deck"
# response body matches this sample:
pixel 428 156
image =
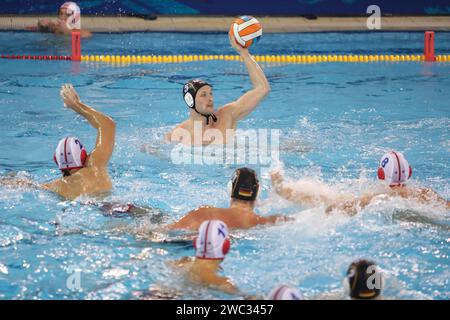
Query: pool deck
pixel 221 24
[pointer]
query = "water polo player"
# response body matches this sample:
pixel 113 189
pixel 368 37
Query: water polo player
pixel 198 95
pixel 394 170
pixel 83 173
pixel 364 280
pixel 240 214
pixel 212 244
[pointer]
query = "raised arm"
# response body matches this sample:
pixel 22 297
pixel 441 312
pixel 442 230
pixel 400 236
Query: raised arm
pixel 106 127
pixel 248 102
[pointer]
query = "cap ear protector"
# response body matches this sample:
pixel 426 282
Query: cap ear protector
pixel 381 175
pixel 189 99
pixel 225 247
pixel 83 157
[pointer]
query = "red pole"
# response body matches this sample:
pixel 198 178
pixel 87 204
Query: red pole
pixel 429 46
pixel 76 46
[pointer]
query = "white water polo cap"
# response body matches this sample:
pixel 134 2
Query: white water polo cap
pixel 284 292
pixel 394 169
pixel 74 15
pixel 212 242
pixel 70 154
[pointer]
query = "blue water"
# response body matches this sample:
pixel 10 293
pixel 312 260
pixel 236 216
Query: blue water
pixel 336 120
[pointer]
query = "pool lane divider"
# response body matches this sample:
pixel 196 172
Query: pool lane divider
pixel 428 56
pixel 35 57
pixel 284 59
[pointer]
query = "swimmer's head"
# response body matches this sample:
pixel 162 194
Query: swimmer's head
pixel 69 155
pixel 284 292
pixel 198 96
pixel 244 185
pixel 363 280
pixel 212 242
pixel 70 14
pixel 394 169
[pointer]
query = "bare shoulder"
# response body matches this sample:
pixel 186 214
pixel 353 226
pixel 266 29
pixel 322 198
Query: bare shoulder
pixel 191 219
pixel 95 178
pixel 181 263
pixel 182 126
pixel 226 110
pixel 204 208
pixel 48 185
pixel 201 212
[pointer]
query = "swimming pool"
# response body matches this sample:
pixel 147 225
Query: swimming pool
pixel 336 121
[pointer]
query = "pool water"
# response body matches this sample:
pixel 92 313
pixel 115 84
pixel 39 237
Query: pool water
pixel 336 120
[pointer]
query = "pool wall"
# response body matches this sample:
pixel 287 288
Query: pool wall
pixel 194 23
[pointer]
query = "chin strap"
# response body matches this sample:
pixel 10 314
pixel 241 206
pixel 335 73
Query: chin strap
pixel 207 116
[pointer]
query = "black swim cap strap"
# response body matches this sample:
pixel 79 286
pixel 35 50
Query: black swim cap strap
pixel 213 116
pixel 207 116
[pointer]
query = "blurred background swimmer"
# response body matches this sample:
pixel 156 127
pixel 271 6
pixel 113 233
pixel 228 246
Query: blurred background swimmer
pixel 244 191
pixel 394 170
pixel 69 19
